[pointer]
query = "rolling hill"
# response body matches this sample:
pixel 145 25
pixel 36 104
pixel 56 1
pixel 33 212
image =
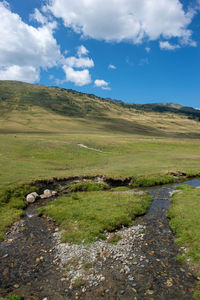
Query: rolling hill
pixel 36 108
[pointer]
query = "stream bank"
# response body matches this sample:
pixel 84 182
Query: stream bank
pixel 30 260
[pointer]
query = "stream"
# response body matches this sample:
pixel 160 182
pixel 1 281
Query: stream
pixel 29 265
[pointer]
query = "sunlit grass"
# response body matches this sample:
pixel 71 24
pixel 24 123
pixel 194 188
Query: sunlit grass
pixel 85 216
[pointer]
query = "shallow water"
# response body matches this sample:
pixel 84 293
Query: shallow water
pixel 161 198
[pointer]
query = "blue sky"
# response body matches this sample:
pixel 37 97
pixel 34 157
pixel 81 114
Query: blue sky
pixel 140 51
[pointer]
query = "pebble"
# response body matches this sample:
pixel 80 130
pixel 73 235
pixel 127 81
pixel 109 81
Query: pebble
pixel 150 292
pixel 130 278
pixel 134 285
pixel 127 269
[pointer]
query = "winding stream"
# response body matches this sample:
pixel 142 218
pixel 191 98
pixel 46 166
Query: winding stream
pixel 160 278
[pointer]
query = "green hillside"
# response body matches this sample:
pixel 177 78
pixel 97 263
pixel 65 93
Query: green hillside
pixel 36 108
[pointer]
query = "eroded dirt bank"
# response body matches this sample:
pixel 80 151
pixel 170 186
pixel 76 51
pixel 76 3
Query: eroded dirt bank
pixel 144 265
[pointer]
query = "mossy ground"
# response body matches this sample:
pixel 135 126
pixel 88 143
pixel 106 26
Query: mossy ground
pixel 85 217
pixel 185 222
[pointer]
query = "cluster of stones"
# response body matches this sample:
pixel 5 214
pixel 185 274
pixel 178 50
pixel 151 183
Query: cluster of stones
pixel 32 197
pixel 86 262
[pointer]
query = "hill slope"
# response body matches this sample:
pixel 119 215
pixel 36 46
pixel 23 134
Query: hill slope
pixel 36 108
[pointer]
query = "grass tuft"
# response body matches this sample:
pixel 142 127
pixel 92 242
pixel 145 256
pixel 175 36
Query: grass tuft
pixel 88 186
pixel 145 181
pixel 13 297
pixel 120 189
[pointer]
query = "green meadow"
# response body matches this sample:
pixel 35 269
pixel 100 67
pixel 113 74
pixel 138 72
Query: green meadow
pixel 24 157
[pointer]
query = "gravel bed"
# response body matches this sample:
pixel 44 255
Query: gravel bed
pixel 83 263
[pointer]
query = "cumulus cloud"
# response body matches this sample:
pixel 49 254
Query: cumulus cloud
pixel 25 49
pixel 83 62
pixel 112 67
pixel 102 84
pixel 25 73
pixel 80 62
pixel 40 18
pixel 79 78
pixel 82 51
pixel 132 20
pixel 165 45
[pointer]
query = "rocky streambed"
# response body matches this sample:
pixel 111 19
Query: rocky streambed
pixel 141 265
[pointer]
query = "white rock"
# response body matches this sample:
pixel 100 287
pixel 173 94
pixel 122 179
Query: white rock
pixel 30 198
pixel 47 193
pixel 35 195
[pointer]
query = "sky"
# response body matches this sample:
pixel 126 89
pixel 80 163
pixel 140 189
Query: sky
pixel 141 51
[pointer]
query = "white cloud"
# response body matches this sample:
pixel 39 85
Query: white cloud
pixel 82 51
pixel 79 78
pixel 102 84
pixel 167 46
pixel 26 73
pixel 80 62
pixel 38 17
pixel 112 67
pixel 132 20
pixel 148 49
pixel 25 49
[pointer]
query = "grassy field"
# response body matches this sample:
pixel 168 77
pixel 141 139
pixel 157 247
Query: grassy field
pixel 42 128
pixel 185 222
pixel 24 157
pixel 85 216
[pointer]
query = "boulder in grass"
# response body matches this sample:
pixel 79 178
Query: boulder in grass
pixel 35 195
pixel 30 198
pixel 47 193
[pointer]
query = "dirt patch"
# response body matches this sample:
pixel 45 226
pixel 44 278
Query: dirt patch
pixel 89 148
